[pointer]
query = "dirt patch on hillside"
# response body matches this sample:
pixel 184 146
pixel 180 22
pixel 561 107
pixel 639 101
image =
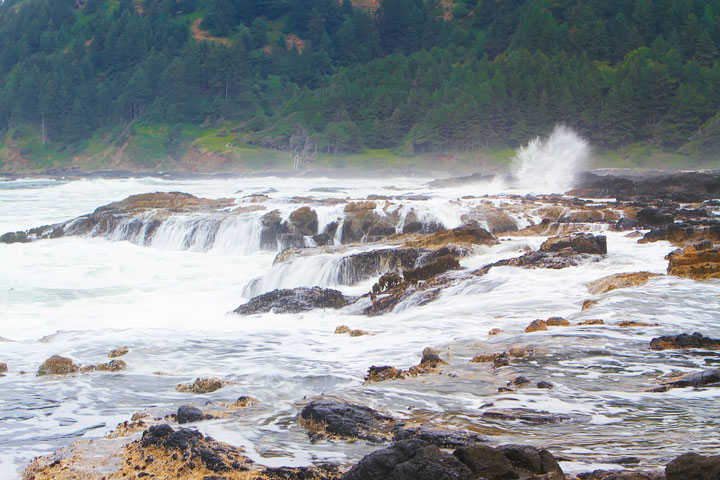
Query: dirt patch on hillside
pixel 203 36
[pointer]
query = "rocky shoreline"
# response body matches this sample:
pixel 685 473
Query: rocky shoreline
pixel 416 260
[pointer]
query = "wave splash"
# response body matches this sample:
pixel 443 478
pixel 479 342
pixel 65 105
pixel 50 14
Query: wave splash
pixel 551 165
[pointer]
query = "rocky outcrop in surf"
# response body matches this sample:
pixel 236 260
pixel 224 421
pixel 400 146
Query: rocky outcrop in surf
pixel 293 301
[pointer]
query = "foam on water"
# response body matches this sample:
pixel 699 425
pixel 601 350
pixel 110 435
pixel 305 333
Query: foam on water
pixel 169 302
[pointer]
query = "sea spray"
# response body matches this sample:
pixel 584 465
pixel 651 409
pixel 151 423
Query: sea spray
pixel 551 165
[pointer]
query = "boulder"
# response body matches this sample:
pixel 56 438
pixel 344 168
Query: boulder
pixel 345 420
pixel 557 322
pixel 409 460
pixel 696 379
pixel 692 466
pixel 380 374
pixel 304 221
pixel 436 267
pixel 579 243
pixel 295 300
pixel 695 264
pixel 486 462
pixel 439 437
pixel 532 460
pixel 684 341
pixel 189 414
pixel 536 326
pixel 57 365
pixel 3 367
pixel 111 366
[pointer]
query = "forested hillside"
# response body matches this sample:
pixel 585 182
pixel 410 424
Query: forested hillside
pixel 329 77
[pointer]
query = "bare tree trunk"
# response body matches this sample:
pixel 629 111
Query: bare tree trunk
pixel 42 128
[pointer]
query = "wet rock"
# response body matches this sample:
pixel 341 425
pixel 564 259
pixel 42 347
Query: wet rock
pixel 632 323
pixel 465 235
pixel 440 265
pixel 620 280
pixel 579 243
pixel 683 341
pixel 697 379
pixel 342 329
pixel 201 386
pixel 518 382
pixel 345 420
pixel 486 462
pixel 525 416
pixel 392 261
pixel 536 326
pixel 439 438
pixel 409 460
pixel 3 367
pixel 304 221
pixel 683 233
pixel 620 475
pixel 525 458
pixel 57 365
pixel 592 321
pixel 557 322
pixel 485 358
pixel 118 352
pixel 544 384
pixel 589 303
pixel 380 374
pixel 678 187
pixel 520 352
pixel 692 466
pixel 495 331
pixel 188 414
pixel 111 366
pixel 695 264
pixel 501 360
pixel 653 217
pixel 293 301
pixel 244 401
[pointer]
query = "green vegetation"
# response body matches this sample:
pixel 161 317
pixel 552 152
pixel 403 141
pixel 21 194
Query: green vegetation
pixel 256 83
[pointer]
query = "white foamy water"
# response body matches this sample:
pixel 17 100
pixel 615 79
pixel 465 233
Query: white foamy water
pixel 550 165
pixel 168 301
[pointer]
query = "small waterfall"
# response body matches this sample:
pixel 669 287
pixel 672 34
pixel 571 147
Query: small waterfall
pixel 550 165
pixel 239 234
pixel 196 233
pixel 317 270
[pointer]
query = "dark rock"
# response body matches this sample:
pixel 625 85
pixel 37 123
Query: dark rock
pixel 304 221
pixel 486 462
pixel 679 187
pixel 518 382
pixel 692 466
pixel 360 266
pixel 684 340
pixel 345 420
pixel 439 438
pixel 544 384
pixel 577 244
pixel 501 360
pixel 525 416
pixel 651 216
pixel 201 386
pixel 293 301
pixel 697 379
pixel 409 460
pixel 438 266
pixel 188 414
pixel 680 233
pixel 57 365
pixel 532 460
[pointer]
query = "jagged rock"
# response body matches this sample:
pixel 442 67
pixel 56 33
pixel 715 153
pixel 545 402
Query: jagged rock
pixel 692 466
pixel 409 460
pixel 501 360
pixel 536 326
pixel 345 420
pixel 684 340
pixel 439 438
pixel 57 365
pixel 485 358
pixel 201 386
pixel 380 374
pixel 188 414
pixel 695 264
pixel 560 252
pixel 619 280
pixel 293 301
pixel 118 352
